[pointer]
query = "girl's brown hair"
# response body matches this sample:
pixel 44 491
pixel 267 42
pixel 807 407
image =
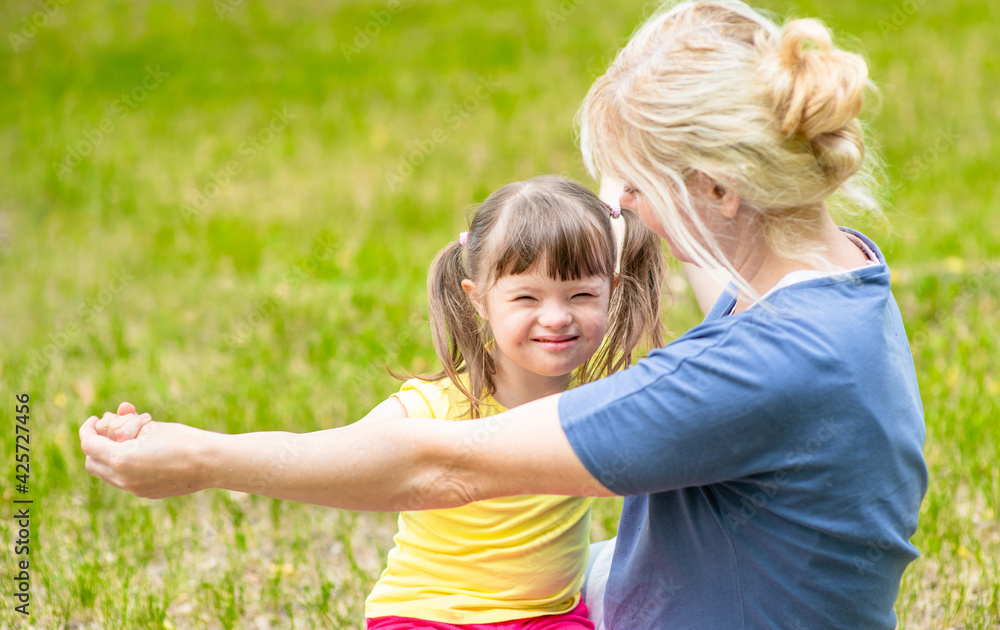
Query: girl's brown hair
pixel 564 227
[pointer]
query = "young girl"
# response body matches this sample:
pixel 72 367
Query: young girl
pixel 535 297
pixel 524 304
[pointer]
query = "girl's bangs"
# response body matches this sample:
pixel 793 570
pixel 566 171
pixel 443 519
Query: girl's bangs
pixel 563 243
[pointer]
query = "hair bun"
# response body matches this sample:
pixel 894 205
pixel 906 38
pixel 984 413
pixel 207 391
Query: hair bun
pixel 817 91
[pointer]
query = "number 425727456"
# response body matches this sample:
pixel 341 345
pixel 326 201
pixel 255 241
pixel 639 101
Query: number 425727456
pixel 22 441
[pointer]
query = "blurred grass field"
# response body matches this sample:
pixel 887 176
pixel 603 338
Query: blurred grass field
pixel 223 212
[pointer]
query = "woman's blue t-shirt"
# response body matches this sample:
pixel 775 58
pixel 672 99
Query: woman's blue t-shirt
pixel 772 463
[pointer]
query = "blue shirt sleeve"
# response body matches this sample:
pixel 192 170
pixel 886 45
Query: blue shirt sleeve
pixel 722 402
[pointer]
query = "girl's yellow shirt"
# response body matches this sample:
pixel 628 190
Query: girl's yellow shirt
pixel 488 561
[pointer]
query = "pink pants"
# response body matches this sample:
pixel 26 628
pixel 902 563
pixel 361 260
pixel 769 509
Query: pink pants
pixel 576 619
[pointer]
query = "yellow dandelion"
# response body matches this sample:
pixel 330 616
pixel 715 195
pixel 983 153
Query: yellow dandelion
pixel 954 264
pixel 951 376
pixel 283 569
pixel 993 387
pixel 379 138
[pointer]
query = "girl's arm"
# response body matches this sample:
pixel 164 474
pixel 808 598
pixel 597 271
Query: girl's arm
pixel 386 462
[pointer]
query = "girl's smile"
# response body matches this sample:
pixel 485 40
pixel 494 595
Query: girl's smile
pixel 556 342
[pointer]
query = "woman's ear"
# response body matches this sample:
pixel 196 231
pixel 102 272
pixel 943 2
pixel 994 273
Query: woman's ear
pixel 724 199
pixel 471 290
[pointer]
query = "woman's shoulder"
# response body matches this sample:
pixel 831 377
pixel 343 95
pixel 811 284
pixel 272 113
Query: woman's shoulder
pixel 831 319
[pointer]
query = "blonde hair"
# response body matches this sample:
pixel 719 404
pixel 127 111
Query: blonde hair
pixel 768 112
pixel 554 226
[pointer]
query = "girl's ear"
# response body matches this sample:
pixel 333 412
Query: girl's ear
pixel 470 289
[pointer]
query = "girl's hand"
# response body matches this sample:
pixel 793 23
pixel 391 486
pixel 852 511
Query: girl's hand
pixel 125 425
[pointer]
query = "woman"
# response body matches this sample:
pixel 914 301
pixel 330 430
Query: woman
pixel 771 456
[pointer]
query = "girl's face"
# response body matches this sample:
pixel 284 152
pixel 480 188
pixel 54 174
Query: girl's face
pixel 544 326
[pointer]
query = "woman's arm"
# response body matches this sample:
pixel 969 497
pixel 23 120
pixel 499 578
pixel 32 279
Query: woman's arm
pixel 382 463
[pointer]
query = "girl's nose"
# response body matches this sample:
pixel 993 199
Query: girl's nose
pixel 555 317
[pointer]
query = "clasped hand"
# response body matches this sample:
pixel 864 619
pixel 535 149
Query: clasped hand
pixel 123 425
pixel 133 453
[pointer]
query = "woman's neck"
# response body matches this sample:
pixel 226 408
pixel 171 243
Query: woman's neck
pixel 762 268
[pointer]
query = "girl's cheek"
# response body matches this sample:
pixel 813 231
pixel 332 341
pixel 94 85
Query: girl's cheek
pixel 599 321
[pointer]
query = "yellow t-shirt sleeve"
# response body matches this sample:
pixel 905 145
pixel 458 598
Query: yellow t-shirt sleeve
pixel 423 399
pixel 414 397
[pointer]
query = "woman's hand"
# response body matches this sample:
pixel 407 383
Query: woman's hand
pixel 146 458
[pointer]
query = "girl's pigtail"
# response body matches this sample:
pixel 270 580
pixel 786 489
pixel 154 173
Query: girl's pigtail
pixel 634 313
pixel 455 328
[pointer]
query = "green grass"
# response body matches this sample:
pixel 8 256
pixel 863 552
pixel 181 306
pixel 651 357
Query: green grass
pixel 222 317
